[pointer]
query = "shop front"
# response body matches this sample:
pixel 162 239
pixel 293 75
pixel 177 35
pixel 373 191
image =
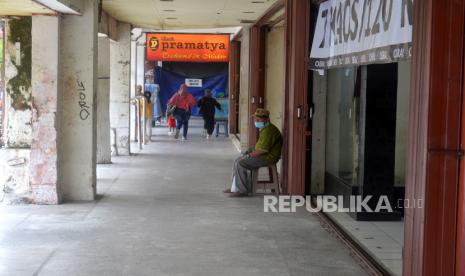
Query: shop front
pixel 360 59
pixel 367 114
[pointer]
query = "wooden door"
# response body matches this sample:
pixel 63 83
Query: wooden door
pixel 257 77
pixel 296 90
pixel 434 147
pixel 234 65
pixel 460 244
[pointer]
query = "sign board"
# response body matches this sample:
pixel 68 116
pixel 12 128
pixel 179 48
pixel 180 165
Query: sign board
pixel 187 47
pixel 355 32
pixel 194 82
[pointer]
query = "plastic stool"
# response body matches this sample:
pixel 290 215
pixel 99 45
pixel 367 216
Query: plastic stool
pixel 273 180
pixel 217 126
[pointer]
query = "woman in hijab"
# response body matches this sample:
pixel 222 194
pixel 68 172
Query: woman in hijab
pixel 184 101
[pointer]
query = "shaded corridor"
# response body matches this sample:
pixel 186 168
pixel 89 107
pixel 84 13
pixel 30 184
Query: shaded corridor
pixel 161 212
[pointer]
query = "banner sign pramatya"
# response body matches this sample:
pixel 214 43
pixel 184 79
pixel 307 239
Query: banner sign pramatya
pixel 187 47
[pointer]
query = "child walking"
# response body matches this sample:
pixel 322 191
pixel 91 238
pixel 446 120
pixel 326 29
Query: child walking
pixel 171 124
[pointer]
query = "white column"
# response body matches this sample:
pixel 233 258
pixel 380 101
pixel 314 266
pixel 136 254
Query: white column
pixel 103 102
pixel 244 89
pixel 120 80
pixel 77 109
pixel 140 63
pixel 45 62
pixel 132 114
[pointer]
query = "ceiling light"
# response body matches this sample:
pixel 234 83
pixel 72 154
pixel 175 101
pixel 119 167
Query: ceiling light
pixel 171 18
pixel 248 12
pixel 169 10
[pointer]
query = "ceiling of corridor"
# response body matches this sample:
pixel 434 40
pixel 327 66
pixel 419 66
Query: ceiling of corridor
pixel 172 14
pixel 22 7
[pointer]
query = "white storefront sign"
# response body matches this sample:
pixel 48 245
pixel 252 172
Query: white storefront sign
pixel 194 82
pixel 354 32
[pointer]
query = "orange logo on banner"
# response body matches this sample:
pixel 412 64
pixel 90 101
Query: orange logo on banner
pixel 187 47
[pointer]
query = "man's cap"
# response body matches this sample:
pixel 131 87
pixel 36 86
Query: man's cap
pixel 261 113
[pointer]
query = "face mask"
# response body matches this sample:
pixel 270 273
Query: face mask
pixel 260 125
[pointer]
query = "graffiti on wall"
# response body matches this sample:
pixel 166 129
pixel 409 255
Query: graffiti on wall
pixel 84 108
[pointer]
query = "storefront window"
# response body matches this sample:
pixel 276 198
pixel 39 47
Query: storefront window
pixel 403 94
pixel 341 126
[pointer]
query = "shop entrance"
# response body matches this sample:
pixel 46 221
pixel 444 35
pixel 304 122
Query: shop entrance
pixel 378 138
pixel 360 124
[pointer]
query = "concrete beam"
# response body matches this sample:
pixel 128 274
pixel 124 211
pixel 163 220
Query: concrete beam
pixel 62 6
pixel 77 109
pixel 108 26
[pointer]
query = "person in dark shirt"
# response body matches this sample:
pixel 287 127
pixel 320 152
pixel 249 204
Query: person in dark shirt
pixel 207 105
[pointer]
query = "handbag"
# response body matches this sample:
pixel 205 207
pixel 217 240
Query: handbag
pixel 172 108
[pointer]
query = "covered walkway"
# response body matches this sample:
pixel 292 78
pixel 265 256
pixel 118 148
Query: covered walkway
pixel 161 212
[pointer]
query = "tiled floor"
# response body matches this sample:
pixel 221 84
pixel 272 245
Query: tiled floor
pixel 384 240
pixel 161 213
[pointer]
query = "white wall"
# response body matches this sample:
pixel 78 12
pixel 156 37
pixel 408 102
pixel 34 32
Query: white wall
pixel 274 77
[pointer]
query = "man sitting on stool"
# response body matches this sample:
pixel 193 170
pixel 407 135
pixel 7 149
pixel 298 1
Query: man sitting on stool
pixel 267 151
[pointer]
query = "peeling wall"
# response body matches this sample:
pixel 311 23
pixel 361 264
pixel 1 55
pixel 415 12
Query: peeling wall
pixel 120 64
pixel 14 176
pixel 15 159
pixel 274 76
pixel 18 104
pixel 44 152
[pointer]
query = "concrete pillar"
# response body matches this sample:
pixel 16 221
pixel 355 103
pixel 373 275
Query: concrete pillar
pixel 244 89
pixel 103 102
pixel 120 79
pixel 14 158
pixel 77 109
pixel 132 128
pixel 44 154
pixel 140 62
pixel 137 71
pixel 320 84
